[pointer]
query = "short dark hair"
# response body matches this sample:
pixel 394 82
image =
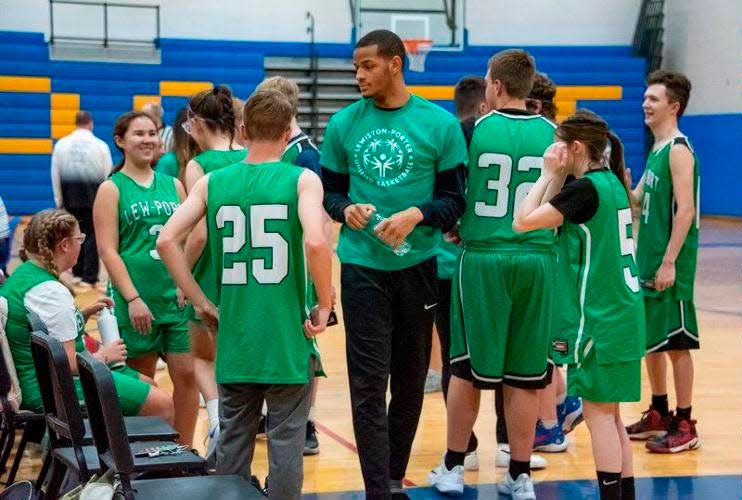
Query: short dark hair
pixel 387 42
pixel 267 115
pixel 83 118
pixel 516 70
pixel 468 94
pixel 677 84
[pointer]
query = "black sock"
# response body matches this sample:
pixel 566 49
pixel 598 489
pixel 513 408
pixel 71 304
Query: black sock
pixel 627 488
pixel 473 443
pixel 684 413
pixel 659 403
pixel 454 458
pixel 610 485
pixel 517 468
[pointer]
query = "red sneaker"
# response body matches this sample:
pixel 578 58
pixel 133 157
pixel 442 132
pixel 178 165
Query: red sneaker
pixel 681 436
pixel 652 424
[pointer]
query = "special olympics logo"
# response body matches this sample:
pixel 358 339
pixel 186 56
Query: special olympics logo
pixel 383 156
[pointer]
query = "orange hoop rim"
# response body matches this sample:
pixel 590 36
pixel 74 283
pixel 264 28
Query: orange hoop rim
pixel 417 45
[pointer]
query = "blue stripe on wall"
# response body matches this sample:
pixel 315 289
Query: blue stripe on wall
pixel 717 139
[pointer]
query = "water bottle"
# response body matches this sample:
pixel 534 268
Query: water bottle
pixel 374 221
pixel 108 327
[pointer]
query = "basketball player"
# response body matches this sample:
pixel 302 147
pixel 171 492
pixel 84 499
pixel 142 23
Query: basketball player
pixel 261 215
pixel 599 330
pixel 494 340
pixel 667 250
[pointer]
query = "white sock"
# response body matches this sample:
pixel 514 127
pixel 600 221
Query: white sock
pixel 264 410
pixel 561 398
pixel 212 410
pixel 312 414
pixel 549 424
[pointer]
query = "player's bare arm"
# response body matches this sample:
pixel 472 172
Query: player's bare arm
pixel 535 212
pixel 681 169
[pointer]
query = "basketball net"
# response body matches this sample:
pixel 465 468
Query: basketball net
pixel 417 50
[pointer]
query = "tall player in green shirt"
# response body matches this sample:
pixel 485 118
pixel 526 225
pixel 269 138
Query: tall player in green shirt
pixel 667 250
pixel 262 216
pixel 396 154
pixel 598 331
pixel 130 210
pixel 211 125
pixel 503 288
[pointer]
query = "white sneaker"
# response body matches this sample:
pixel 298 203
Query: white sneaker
pixel 161 365
pixel 448 482
pixel 520 489
pixel 471 461
pixel 502 458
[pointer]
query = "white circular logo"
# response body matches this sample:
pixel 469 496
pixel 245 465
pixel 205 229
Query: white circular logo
pixel 383 157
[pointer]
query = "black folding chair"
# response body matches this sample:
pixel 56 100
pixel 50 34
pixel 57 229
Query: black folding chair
pixel 22 490
pixel 70 438
pixel 32 424
pixel 110 437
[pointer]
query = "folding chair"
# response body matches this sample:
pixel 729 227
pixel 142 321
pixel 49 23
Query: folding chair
pixel 110 439
pixel 70 439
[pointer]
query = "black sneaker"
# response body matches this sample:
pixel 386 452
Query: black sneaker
pixel 256 483
pixel 311 444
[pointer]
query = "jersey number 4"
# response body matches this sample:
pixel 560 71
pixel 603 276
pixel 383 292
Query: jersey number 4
pixel 501 185
pixel 236 274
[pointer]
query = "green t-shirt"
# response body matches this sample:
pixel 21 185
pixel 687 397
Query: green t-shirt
pixel 505 160
pixel 391 157
pixel 14 309
pixel 600 306
pixel 448 254
pixel 143 211
pixel 256 239
pixel 655 222
pixel 168 164
pixel 204 271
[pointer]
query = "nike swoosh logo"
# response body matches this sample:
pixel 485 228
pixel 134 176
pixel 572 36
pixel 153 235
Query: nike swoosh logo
pixel 608 483
pixel 431 306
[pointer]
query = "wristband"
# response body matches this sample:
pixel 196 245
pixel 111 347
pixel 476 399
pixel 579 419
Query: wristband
pixel 132 300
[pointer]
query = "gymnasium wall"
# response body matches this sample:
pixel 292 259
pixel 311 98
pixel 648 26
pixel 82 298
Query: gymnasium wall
pixel 566 22
pixel 708 52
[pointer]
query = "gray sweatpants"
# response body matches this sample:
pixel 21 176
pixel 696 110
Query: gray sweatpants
pixel 288 410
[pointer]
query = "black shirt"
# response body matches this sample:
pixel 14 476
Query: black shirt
pixel 577 201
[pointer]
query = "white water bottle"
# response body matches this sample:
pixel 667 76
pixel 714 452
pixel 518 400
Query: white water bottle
pixel 108 327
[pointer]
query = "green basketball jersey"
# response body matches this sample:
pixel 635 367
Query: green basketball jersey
pixel 256 239
pixel 600 304
pixel 392 157
pixel 204 271
pixel 168 164
pixel 295 146
pixel 655 221
pixel 18 331
pixel 505 160
pixel 214 159
pixel 143 211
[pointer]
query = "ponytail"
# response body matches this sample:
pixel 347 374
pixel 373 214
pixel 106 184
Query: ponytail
pixel 616 160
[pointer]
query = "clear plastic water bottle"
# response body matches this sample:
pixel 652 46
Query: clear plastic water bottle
pixel 401 250
pixel 108 327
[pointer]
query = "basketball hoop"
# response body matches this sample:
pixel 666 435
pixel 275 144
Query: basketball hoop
pixel 417 50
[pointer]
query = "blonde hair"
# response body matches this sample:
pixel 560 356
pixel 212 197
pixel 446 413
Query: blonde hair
pixel 46 229
pixel 287 87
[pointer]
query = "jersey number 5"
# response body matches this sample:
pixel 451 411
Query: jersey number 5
pixel 627 248
pixel 259 238
pixel 501 185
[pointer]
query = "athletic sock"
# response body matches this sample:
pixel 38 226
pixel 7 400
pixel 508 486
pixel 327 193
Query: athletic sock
pixel 561 398
pixel 684 413
pixel 312 416
pixel 610 485
pixel 212 410
pixel 627 488
pixel 549 424
pixel 473 443
pixel 454 458
pixel 659 403
pixel 517 468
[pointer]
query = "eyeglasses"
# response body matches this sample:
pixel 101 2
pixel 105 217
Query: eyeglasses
pixel 80 237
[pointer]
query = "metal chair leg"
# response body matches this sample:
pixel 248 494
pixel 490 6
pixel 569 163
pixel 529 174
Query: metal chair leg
pixel 18 456
pixel 6 451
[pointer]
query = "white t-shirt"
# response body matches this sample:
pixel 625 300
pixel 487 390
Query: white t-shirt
pixel 53 304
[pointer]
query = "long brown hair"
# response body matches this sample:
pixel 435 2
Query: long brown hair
pixel 591 130
pixel 46 229
pixel 184 147
pixel 121 127
pixel 216 109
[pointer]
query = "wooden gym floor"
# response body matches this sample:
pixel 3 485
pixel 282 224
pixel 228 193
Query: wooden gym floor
pixel 711 472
